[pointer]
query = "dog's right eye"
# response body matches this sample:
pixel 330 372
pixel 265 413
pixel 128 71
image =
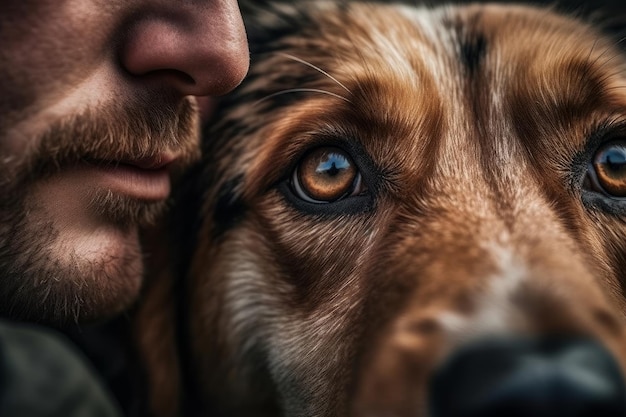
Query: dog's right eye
pixel 326 175
pixel 609 169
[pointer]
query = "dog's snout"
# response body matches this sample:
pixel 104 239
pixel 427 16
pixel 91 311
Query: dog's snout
pixel 529 378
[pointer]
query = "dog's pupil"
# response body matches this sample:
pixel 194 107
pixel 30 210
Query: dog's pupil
pixel 616 159
pixel 326 174
pixel 333 170
pixel 611 162
pixel 610 167
pixel 330 168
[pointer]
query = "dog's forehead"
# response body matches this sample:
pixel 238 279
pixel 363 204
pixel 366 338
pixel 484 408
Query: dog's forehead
pixel 497 76
pixel 482 63
pixel 469 40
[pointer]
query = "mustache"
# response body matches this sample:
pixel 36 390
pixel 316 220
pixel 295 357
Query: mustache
pixel 114 134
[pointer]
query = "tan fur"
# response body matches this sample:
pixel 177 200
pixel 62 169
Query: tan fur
pixel 477 226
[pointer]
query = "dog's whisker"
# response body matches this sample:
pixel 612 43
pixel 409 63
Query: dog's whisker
pixel 615 88
pixel 606 50
pixel 315 67
pixel 607 76
pixel 302 90
pixel 593 47
pixel 620 40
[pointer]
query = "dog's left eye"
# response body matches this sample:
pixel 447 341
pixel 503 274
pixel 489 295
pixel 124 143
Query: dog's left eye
pixel 609 169
pixel 326 175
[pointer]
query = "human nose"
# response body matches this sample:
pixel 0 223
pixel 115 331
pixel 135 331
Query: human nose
pixel 197 48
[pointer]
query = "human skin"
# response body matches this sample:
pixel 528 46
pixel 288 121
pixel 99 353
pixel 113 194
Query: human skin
pixel 95 119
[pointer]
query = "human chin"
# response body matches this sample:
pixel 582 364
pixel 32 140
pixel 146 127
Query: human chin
pixel 64 261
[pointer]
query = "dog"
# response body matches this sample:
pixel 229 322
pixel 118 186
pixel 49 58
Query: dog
pixel 402 211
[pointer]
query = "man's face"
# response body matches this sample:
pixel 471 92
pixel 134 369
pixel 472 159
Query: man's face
pixel 95 115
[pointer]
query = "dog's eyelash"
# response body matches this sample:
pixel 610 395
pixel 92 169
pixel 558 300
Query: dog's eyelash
pixel 608 129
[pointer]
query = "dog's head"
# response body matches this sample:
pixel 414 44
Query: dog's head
pixel 395 186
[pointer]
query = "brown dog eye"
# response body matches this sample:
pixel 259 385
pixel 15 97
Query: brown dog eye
pixel 325 175
pixel 609 165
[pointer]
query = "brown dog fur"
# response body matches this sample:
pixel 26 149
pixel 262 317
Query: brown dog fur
pixel 473 128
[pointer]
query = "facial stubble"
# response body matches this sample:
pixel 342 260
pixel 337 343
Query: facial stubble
pixel 36 284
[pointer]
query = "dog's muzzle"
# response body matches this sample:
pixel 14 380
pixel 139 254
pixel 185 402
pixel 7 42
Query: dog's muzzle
pixel 529 378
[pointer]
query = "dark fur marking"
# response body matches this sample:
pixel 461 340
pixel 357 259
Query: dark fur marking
pixel 472 42
pixel 473 51
pixel 229 209
pixel 267 20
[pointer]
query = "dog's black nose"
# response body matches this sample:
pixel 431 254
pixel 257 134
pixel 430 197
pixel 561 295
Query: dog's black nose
pixel 529 378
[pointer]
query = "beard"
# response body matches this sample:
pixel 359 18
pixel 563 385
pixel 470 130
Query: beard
pixel 36 283
pixel 38 286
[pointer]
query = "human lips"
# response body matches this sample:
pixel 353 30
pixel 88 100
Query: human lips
pixel 144 179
